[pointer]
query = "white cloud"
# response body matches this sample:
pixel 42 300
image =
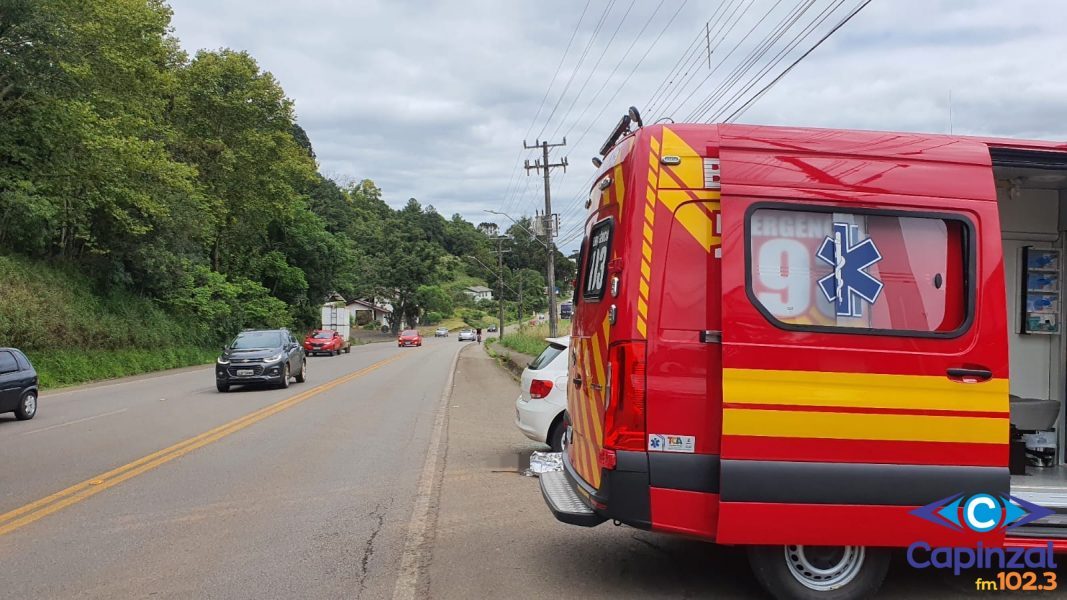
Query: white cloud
pixel 432 100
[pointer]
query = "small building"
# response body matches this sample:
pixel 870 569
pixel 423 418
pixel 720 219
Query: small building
pixel 365 312
pixel 479 292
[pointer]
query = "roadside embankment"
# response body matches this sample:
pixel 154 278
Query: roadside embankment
pixel 76 333
pixel 512 360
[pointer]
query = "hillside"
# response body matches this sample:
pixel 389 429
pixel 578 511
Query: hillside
pixel 153 203
pixel 74 334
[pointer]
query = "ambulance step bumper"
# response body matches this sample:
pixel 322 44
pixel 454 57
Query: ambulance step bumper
pixel 566 505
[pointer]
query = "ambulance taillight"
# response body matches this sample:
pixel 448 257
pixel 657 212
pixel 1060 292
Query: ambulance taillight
pixel 624 415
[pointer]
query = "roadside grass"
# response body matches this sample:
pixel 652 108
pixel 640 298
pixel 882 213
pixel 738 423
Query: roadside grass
pixel 62 368
pixel 76 333
pixel 528 339
pixel 451 324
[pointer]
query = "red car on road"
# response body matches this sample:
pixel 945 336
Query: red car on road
pixel 409 337
pixel 326 341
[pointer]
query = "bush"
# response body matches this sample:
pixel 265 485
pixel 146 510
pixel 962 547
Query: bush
pixel 528 340
pixel 432 318
pixel 57 368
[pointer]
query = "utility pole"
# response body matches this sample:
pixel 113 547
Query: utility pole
pixel 519 307
pixel 542 164
pixel 500 283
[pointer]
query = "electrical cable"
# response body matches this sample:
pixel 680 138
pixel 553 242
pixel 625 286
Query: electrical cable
pixel 759 95
pixel 768 42
pixel 781 55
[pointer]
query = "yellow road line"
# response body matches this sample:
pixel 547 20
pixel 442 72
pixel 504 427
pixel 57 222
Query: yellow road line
pixel 38 509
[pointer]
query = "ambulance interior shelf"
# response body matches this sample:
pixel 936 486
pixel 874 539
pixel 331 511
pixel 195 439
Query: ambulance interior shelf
pixel 1041 291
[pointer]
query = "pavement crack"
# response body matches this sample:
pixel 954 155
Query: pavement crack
pixel 378 516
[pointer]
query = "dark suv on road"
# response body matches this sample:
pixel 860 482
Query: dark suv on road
pixel 268 356
pixel 18 384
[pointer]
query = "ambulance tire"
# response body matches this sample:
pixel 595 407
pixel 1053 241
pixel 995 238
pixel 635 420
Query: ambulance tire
pixel 848 574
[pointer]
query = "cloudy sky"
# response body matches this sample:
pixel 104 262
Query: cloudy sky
pixel 432 100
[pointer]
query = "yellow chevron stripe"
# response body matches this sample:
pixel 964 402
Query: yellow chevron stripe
pixel 691 170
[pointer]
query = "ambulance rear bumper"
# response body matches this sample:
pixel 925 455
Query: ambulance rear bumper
pixel 565 503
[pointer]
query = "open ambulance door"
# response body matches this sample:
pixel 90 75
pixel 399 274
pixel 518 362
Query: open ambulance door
pixel 857 386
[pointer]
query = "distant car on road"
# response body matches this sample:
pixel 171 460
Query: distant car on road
pixel 18 384
pixel 268 356
pixel 409 337
pixel 326 341
pixel 543 395
pixel 440 332
pixel 491 328
pixel 466 335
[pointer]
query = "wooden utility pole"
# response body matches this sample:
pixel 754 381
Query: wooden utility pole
pixel 543 166
pixel 500 284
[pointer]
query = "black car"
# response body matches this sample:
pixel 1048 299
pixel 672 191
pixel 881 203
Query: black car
pixel 269 356
pixel 18 384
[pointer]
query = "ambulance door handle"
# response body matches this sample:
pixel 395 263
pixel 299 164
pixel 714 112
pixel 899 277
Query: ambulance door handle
pixel 577 381
pixel 964 375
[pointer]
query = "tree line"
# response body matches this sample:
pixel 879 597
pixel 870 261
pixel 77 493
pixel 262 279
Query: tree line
pixel 186 179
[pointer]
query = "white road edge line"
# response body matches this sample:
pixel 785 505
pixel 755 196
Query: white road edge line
pixel 415 542
pixel 128 380
pixel 75 421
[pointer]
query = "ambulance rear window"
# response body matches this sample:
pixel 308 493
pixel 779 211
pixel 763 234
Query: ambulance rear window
pixel 896 273
pixel 596 270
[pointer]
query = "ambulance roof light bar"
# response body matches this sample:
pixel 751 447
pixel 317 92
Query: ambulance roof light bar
pixel 623 128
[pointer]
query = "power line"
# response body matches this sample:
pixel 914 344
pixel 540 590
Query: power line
pixel 518 158
pixel 768 42
pixel 667 82
pixel 619 88
pixel 763 91
pixel 600 57
pixel 691 67
pixel 726 30
pixel 810 28
pixel 607 81
pixel 581 59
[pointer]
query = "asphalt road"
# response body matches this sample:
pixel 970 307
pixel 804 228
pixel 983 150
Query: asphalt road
pixel 389 474
pixel 309 497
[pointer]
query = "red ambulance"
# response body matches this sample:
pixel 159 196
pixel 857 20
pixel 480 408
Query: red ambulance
pixel 792 339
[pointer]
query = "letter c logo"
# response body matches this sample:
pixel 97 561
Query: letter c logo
pixel 982 513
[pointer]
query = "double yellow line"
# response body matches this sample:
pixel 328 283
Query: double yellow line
pixel 24 515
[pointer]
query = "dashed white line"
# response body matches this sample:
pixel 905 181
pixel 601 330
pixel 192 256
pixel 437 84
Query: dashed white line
pixel 75 421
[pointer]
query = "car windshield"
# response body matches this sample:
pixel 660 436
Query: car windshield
pixel 257 339
pixel 547 356
pixel 323 335
pixel 410 332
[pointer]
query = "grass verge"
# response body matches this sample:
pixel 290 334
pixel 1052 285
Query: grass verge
pixel 61 368
pixel 528 339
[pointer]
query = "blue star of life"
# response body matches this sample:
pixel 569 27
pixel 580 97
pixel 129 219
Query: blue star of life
pixel 849 283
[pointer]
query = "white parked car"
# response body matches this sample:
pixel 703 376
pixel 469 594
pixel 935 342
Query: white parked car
pixel 543 395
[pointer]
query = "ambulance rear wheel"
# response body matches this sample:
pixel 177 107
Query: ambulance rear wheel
pixel 819 572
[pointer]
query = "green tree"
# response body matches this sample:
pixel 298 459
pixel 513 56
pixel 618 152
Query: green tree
pixel 432 298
